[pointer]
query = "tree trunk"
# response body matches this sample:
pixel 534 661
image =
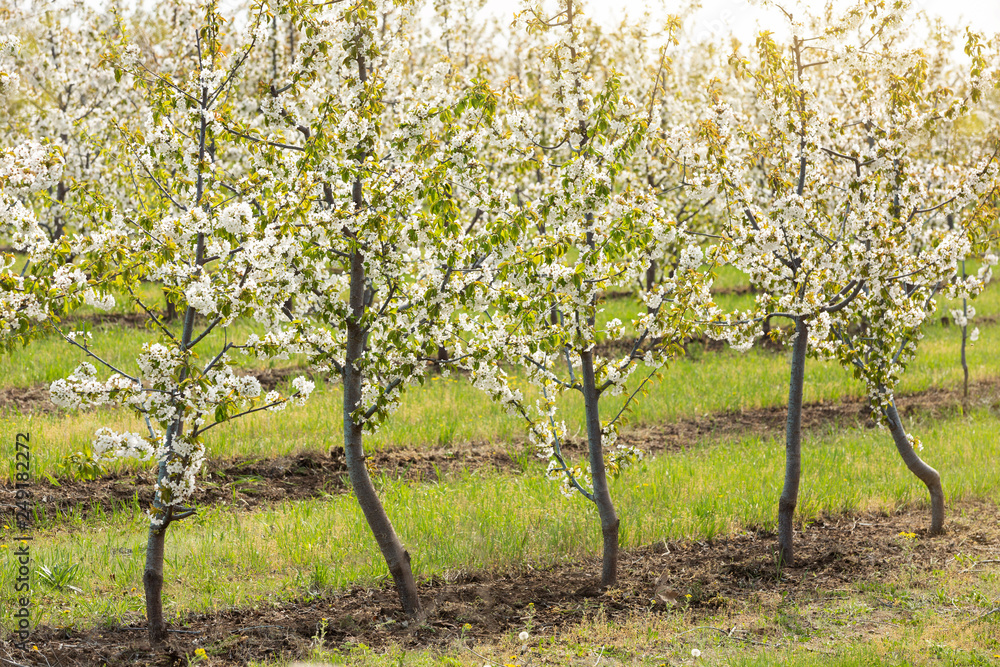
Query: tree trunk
pixel 602 497
pixel 396 557
pixel 650 280
pixel 924 472
pixel 152 576
pixel 793 445
pixel 170 312
pixel 965 338
pixel 152 582
pixel 392 549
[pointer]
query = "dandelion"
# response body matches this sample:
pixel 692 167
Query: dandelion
pixel 523 636
pixel 695 653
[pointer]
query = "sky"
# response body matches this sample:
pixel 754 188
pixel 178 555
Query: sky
pixel 744 19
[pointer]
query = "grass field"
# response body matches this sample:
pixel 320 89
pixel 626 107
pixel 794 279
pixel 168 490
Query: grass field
pixel 932 606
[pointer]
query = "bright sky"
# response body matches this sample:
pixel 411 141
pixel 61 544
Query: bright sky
pixel 744 19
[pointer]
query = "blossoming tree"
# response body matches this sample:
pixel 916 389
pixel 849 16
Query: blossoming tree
pixel 394 193
pixel 820 200
pixel 222 248
pixel 580 232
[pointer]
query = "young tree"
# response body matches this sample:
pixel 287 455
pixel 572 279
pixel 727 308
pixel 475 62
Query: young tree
pixel 221 246
pixel 64 96
pixel 819 192
pixel 386 258
pixel 27 295
pixel 582 232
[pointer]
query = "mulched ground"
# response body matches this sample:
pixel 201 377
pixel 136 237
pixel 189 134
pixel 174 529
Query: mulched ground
pixel 693 578
pixel 249 483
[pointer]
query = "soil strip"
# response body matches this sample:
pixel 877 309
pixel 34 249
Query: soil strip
pixel 249 483
pixel 697 579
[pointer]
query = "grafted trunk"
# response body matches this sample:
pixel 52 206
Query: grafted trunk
pixel 152 576
pixel 602 497
pixel 793 446
pixel 926 474
pixel 152 583
pixel 396 557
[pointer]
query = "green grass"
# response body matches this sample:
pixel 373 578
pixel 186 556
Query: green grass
pixel 654 640
pixel 438 413
pixel 50 358
pixel 224 558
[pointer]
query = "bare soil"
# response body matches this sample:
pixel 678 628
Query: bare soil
pixel 847 412
pixel 25 400
pixel 696 579
pixel 249 483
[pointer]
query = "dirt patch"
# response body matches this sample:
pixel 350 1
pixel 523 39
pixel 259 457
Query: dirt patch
pixel 702 577
pixel 623 346
pixel 24 400
pixel 134 320
pixel 249 483
pixel 848 412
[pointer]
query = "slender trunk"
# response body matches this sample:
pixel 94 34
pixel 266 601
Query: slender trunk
pixel 965 364
pixel 396 557
pixel 602 497
pixel 924 472
pixel 170 313
pixel 793 445
pixel 59 228
pixel 152 576
pixel 392 549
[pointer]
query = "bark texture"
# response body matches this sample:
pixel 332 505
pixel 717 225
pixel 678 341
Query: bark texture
pixel 396 557
pixel 793 446
pixel 926 474
pixel 602 497
pixel 152 583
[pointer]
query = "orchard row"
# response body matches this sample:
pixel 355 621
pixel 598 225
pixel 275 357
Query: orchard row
pixel 383 185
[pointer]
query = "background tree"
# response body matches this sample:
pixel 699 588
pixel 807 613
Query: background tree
pixel 820 197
